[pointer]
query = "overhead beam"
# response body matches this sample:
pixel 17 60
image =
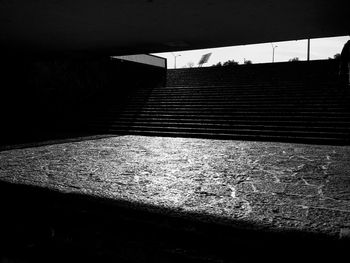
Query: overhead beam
pixel 135 26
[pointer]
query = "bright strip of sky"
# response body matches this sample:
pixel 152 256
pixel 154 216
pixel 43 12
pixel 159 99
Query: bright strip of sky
pixel 320 48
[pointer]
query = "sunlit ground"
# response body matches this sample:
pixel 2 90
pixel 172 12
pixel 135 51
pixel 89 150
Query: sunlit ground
pixel 279 185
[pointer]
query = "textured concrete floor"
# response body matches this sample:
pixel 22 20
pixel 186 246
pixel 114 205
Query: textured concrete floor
pixel 277 186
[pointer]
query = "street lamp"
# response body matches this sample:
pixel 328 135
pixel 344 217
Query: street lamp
pixel 273 52
pixel 175 56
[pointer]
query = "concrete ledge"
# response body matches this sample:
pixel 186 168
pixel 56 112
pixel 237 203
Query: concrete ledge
pixel 181 198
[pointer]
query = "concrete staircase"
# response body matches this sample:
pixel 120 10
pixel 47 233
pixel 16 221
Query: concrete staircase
pixel 293 101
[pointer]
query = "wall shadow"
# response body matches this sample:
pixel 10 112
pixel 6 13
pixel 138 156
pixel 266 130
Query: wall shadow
pixel 40 225
pixel 65 96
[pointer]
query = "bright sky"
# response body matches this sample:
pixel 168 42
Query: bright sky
pixel 320 48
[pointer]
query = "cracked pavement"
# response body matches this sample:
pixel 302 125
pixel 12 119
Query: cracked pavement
pixel 277 186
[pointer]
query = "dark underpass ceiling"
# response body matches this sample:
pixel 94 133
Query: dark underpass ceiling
pixel 133 26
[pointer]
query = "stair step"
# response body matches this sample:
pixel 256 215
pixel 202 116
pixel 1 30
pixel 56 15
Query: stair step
pixel 233 131
pixel 245 94
pixel 283 102
pixel 344 115
pixel 239 100
pixel 296 139
pixel 227 126
pixel 239 108
pixel 296 123
pixel 234 117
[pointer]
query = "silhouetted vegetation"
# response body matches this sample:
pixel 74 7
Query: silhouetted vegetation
pixel 336 56
pixel 293 59
pixel 228 63
pixel 217 65
pixel 248 62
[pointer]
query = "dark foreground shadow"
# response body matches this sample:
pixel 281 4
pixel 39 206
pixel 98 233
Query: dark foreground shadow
pixel 41 225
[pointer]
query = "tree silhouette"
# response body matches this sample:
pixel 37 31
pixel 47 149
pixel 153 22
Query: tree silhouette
pixel 230 63
pixel 217 65
pixel 294 59
pixel 336 56
pixel 248 62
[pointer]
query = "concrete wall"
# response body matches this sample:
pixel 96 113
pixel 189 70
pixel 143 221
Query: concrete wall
pixel 146 59
pixel 42 96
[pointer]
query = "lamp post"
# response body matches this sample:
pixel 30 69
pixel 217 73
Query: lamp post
pixel 273 52
pixel 175 56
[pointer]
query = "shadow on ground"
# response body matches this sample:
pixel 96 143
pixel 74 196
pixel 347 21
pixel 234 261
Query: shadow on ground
pixel 40 225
